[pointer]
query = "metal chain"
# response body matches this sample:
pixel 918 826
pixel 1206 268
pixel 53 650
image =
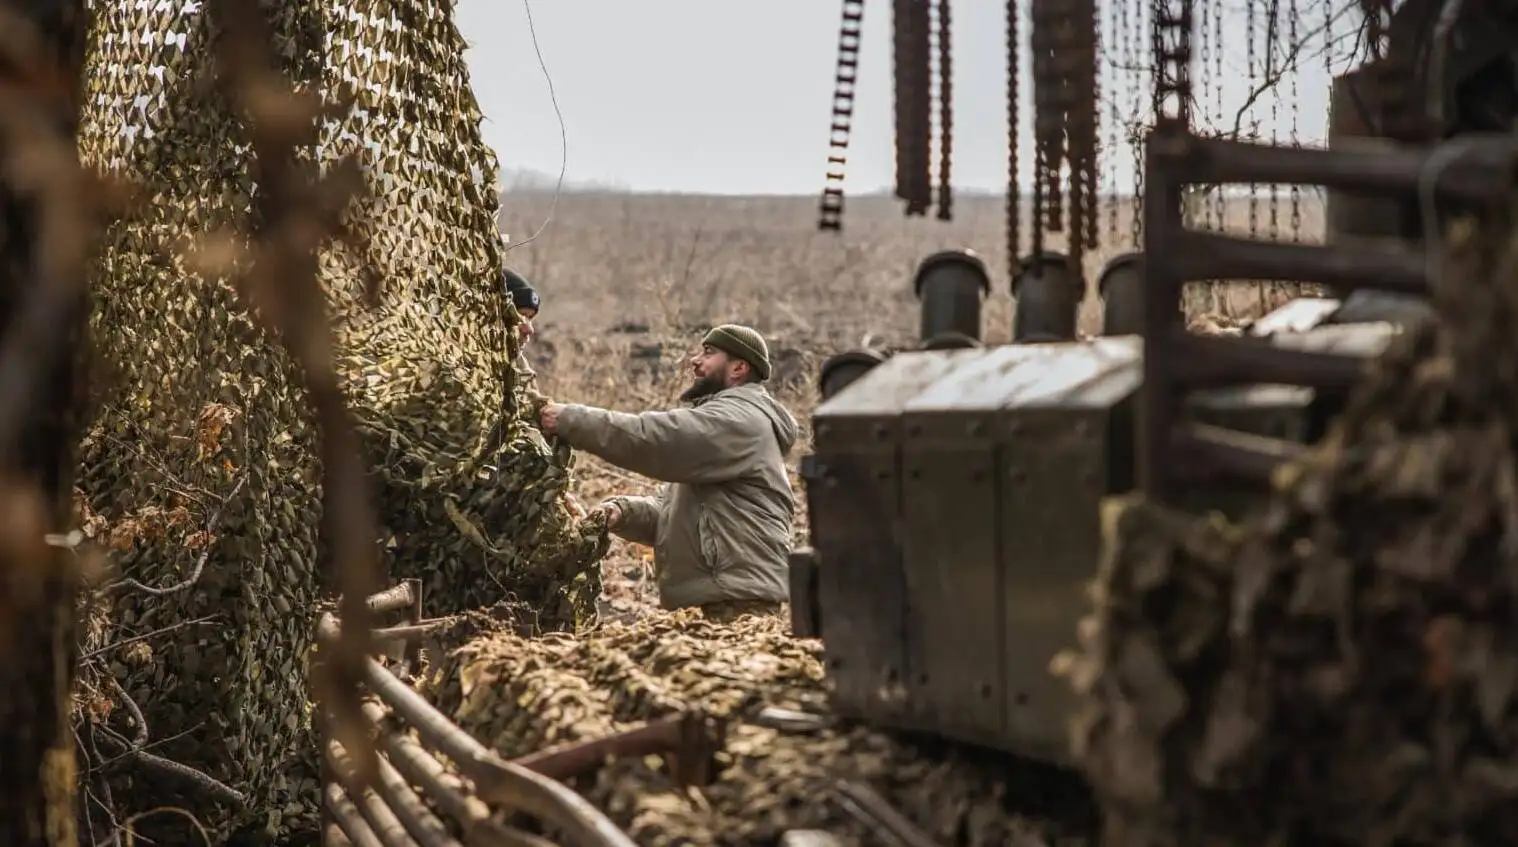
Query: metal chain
pixel 1254 188
pixel 1220 207
pixel 1014 140
pixel 945 113
pixel 1272 50
pixel 1090 107
pixel 1189 210
pixel 1293 31
pixel 847 75
pixel 1133 41
pixel 1049 112
pixel 1111 39
pixel 914 115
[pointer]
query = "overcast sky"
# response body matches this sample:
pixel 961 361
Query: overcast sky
pixel 733 96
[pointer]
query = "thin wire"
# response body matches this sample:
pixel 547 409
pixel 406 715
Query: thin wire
pixel 563 133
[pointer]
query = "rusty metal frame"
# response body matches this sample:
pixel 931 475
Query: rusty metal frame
pixel 391 810
pixel 1171 454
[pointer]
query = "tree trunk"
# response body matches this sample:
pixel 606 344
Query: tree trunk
pixel 37 586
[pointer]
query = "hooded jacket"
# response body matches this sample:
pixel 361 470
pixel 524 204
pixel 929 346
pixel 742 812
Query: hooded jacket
pixel 721 526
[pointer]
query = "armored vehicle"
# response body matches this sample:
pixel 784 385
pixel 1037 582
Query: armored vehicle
pixel 955 490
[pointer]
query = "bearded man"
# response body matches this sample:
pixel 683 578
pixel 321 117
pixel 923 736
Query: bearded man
pixel 721 526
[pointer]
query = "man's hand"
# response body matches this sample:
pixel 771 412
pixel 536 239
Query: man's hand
pixel 612 512
pixel 576 511
pixel 548 418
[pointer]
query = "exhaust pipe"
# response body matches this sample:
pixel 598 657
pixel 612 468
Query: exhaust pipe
pixel 950 341
pixel 1121 287
pixel 1048 290
pixel 842 369
pixel 951 286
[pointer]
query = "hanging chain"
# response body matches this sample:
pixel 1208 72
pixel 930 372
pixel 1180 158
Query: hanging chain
pixel 1088 150
pixel 1254 188
pixel 1273 54
pixel 1189 210
pixel 1014 140
pixel 1049 106
pixel 1065 120
pixel 914 97
pixel 1219 205
pixel 945 113
pixel 1293 31
pixel 1133 28
pixel 845 78
pixel 1111 39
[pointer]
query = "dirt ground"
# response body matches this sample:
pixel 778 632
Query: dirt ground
pixel 630 282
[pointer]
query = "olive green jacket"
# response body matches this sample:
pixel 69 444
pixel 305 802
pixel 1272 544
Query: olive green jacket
pixel 721 526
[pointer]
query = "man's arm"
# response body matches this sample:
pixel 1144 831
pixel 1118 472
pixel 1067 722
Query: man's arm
pixel 637 518
pixel 710 443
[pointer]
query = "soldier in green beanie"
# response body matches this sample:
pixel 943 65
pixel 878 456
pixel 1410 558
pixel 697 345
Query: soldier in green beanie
pixel 721 526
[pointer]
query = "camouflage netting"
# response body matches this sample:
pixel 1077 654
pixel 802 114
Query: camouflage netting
pixel 520 694
pixel 1343 669
pixel 202 459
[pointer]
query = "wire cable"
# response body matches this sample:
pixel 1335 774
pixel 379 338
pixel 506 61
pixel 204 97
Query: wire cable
pixel 563 132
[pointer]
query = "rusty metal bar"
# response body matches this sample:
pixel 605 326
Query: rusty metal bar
pixel 1159 403
pixel 1210 255
pixel 495 779
pixel 1212 362
pixel 420 768
pixel 413 655
pixel 1481 172
pixel 571 760
pixel 347 818
pixel 407 633
pixel 386 827
pixel 872 810
pixel 686 736
pixel 394 599
pixel 426 827
pixel 1206 450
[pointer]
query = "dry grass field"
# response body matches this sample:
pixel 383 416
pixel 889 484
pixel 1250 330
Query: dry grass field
pixel 630 282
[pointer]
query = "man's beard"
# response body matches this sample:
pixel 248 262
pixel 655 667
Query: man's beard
pixel 704 386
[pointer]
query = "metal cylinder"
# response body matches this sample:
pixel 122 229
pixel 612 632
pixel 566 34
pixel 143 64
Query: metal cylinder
pixel 1121 287
pixel 1351 106
pixel 950 341
pixel 951 286
pixel 1048 289
pixel 842 369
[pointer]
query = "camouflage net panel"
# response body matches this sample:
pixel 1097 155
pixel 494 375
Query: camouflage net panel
pixel 1342 670
pixel 203 459
pixel 520 694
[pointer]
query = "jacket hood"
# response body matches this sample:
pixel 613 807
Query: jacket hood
pixel 782 422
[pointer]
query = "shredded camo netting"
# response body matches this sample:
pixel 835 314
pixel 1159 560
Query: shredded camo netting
pixel 519 695
pixel 1343 670
pixel 203 459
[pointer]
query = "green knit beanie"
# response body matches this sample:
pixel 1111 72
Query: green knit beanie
pixel 743 343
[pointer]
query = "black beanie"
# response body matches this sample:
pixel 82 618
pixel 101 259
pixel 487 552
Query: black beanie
pixel 521 292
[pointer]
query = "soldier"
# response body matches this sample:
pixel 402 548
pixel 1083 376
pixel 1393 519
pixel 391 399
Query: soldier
pixel 721 526
pixel 527 301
